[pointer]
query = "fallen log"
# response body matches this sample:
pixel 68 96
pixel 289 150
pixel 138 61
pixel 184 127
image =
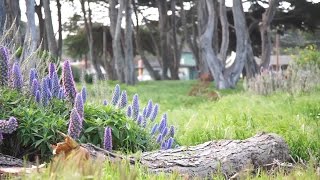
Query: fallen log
pixel 225 156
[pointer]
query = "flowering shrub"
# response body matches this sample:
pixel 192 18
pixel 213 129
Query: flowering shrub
pixel 44 108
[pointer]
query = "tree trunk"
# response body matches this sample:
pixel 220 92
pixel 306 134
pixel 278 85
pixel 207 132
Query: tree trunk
pixel 43 37
pixel 130 76
pixel 145 61
pixel 32 29
pixel 208 55
pixel 60 30
pixel 204 160
pixel 13 12
pixel 2 16
pixel 49 29
pixel 225 32
pixel 116 45
pixel 162 9
pixel 88 28
pixel 30 43
pixel 265 33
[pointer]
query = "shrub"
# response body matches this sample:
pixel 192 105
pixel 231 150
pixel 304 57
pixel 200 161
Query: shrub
pixel 307 56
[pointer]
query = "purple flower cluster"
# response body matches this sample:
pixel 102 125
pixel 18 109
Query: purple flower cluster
pixel 4 66
pixel 123 100
pixel 135 107
pixel 75 124
pixel 78 104
pixel 55 84
pixel 129 111
pixel 9 126
pixel 149 108
pixel 68 81
pixel 52 70
pixel 154 113
pixel 33 75
pixel 45 92
pixel 107 144
pixel 35 87
pixel 115 95
pixel 84 94
pixel 16 77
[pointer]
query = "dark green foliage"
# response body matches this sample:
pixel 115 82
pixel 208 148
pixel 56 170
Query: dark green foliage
pixel 38 126
pixel 88 78
pixel 76 73
pixel 127 136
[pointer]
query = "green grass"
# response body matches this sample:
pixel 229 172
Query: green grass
pixel 237 115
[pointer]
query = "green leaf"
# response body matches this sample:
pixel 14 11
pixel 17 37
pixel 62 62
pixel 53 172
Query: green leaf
pixel 90 129
pixel 37 143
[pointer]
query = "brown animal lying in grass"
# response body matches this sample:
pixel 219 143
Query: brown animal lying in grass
pixel 205 77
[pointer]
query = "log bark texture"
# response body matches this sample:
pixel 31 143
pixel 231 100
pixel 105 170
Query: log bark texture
pixel 226 156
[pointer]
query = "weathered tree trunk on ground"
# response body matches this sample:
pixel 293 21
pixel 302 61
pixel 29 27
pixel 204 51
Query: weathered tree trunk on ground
pixel 49 29
pixel 224 156
pixel 227 157
pixel 265 32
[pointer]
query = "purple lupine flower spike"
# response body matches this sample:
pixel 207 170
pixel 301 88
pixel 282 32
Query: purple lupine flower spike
pixel 123 100
pixel 45 93
pixel 164 132
pixel 149 109
pixel 55 84
pixel 9 126
pixel 107 139
pixel 140 119
pixel 34 87
pixel 84 94
pixel 52 69
pixel 169 143
pixel 135 107
pixel 144 112
pixel 115 95
pixel 68 82
pixel 144 122
pixel 105 102
pixel 38 96
pixel 154 129
pixel 33 75
pixel 129 111
pixel 49 83
pixel 163 123
pixel 1 137
pixel 75 124
pixel 164 145
pixel 159 139
pixel 17 80
pixel 154 112
pixel 61 94
pixel 4 66
pixel 78 103
pixel 171 131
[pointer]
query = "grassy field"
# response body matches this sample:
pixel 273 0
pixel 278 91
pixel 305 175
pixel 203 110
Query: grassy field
pixel 236 115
